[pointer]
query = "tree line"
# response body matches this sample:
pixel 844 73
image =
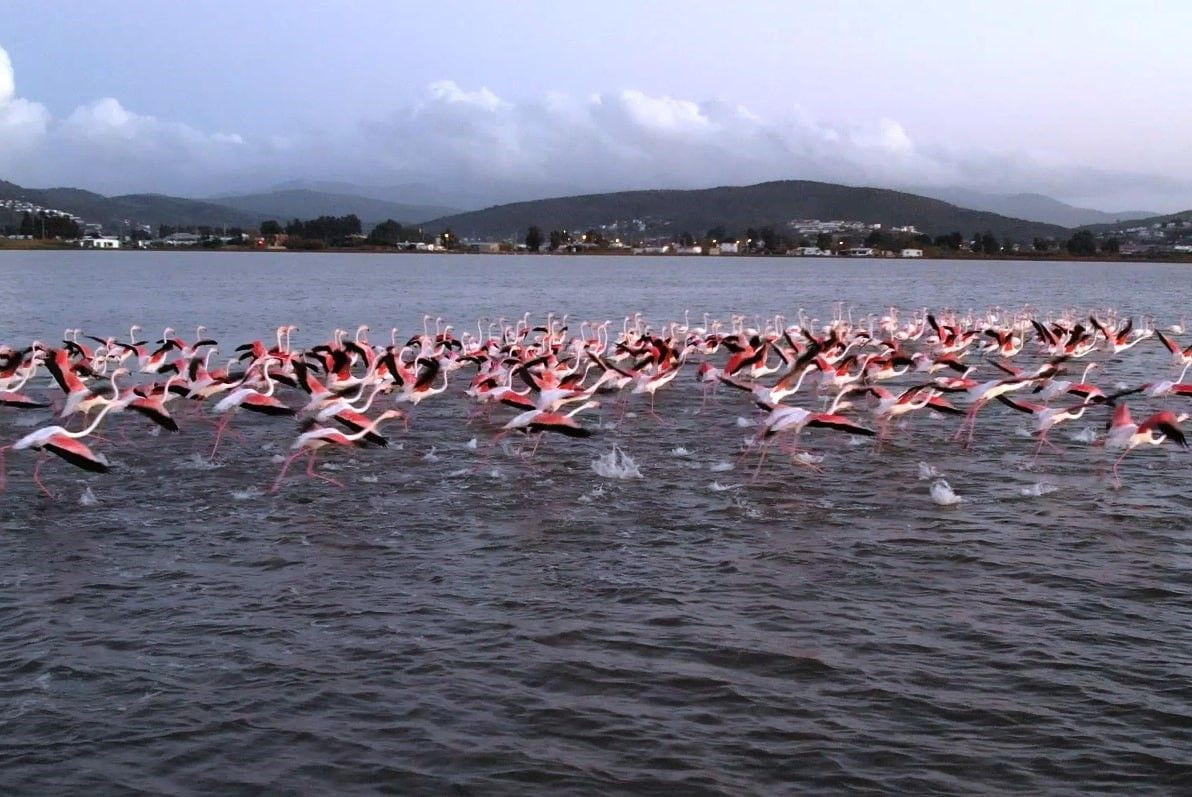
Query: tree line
pixel 44 226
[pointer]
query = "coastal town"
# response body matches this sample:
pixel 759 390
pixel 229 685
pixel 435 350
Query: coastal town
pixel 46 227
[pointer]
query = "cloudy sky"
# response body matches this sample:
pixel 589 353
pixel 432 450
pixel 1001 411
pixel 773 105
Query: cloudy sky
pixel 1087 101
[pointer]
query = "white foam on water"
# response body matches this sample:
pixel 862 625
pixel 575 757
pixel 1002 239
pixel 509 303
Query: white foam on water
pixel 472 444
pixel 331 466
pixel 807 458
pixel 455 474
pixel 679 451
pixel 720 467
pixel 616 464
pixel 431 456
pixel 1086 435
pixel 593 494
pixel 1036 490
pixel 369 479
pixel 88 498
pixel 717 487
pixel 495 473
pixel 197 461
pixel 928 472
pixel 246 495
pixel 942 494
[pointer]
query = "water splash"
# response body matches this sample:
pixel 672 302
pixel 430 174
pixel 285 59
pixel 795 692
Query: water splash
pixel 717 487
pixel 431 456
pixel 807 458
pixel 942 494
pixel 197 461
pixel 616 464
pixel 246 494
pixel 88 498
pixel 592 495
pixel 471 444
pixel 1086 435
pixel 1036 490
pixel 745 423
pixel 679 451
pixel 720 467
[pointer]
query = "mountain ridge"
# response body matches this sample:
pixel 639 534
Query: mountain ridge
pixel 735 208
pixel 1029 205
pixel 307 203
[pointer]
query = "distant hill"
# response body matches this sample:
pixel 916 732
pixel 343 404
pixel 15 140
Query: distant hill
pixel 739 207
pixel 1183 215
pixel 305 203
pixel 1035 207
pixel 151 209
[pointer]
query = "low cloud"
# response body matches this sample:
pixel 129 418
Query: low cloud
pixel 468 141
pixel 23 124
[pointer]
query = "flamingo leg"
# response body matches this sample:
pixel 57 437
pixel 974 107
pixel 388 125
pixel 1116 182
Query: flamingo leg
pixel 41 458
pixel 655 415
pixel 760 459
pixel 219 432
pixel 3 468
pixel 1117 479
pixel 284 468
pixel 311 473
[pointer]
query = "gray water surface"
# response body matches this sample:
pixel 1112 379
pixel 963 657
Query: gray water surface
pixel 457 621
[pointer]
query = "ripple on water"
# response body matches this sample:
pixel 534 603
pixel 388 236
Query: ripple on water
pixel 535 626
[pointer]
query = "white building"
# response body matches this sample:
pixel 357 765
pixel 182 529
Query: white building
pixel 912 252
pixel 810 251
pixel 858 251
pixel 182 239
pixel 729 248
pixel 102 242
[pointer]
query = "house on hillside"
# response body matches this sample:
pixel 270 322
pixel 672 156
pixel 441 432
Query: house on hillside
pixel 859 251
pixel 912 253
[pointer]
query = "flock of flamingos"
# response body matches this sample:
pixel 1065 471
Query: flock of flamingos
pixel 804 375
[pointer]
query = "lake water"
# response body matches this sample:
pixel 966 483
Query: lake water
pixel 456 621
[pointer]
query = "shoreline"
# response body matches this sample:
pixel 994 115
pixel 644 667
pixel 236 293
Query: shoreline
pixel 1058 257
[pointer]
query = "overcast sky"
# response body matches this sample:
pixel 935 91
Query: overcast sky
pixel 1086 101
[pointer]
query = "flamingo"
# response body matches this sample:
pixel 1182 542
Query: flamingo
pixel 311 441
pixel 1045 418
pixel 62 443
pixel 249 399
pixel 1124 435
